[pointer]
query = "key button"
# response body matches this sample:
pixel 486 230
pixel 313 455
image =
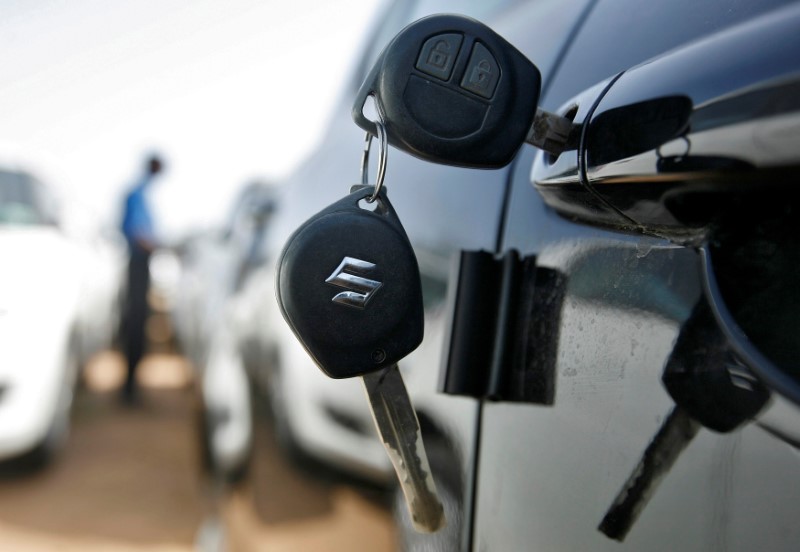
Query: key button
pixel 438 55
pixel 482 73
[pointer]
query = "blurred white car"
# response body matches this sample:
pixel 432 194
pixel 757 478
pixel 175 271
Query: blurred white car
pixel 102 258
pixel 228 424
pixel 213 267
pixel 57 298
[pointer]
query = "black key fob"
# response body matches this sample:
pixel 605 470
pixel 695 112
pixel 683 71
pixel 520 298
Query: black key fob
pixel 348 285
pixel 453 91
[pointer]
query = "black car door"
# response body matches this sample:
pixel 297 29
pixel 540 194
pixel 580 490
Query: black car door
pixel 606 294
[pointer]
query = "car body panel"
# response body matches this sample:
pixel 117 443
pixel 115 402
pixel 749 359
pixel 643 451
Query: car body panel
pixel 36 331
pixel 548 474
pixel 210 293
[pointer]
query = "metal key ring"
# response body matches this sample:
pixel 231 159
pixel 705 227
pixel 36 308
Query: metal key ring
pixel 382 155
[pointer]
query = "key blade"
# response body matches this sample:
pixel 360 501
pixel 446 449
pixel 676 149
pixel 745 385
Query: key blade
pixel 552 133
pixel 399 430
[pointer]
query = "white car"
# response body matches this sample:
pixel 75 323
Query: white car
pixel 213 267
pixel 226 407
pixel 43 312
pixel 102 257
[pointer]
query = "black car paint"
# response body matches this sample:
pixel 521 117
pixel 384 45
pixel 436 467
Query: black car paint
pixel 609 393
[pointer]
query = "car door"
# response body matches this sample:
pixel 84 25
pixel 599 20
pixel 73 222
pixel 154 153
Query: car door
pixel 606 294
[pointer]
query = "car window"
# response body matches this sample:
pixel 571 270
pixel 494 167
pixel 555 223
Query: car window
pixel 18 203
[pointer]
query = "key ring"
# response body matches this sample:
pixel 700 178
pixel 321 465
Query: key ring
pixel 382 155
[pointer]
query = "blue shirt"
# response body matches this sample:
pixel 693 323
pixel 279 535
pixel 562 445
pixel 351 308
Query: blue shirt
pixel 137 221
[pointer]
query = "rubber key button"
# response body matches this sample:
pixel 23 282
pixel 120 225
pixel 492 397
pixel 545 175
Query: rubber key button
pixel 482 73
pixel 439 54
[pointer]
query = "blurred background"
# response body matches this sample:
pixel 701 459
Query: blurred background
pixel 232 97
pixel 226 93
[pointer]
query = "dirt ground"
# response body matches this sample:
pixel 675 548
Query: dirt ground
pixel 129 479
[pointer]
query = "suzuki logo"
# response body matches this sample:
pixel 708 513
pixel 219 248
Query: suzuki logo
pixel 347 276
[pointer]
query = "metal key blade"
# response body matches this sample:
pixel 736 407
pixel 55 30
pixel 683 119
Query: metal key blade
pixel 552 133
pixel 399 430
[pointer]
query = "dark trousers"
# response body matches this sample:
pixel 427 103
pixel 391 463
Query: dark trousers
pixel 135 316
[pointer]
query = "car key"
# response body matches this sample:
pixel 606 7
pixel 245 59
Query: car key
pixel 455 92
pixel 399 430
pixel 348 285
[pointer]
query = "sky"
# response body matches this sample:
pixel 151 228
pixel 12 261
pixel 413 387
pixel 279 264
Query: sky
pixel 229 92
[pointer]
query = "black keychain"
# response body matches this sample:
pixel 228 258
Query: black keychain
pixel 348 285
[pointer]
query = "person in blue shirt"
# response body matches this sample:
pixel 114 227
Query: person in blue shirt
pixel 139 232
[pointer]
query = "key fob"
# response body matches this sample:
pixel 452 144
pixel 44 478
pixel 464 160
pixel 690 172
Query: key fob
pixel 453 91
pixel 348 285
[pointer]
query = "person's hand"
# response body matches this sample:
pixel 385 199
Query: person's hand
pixel 146 244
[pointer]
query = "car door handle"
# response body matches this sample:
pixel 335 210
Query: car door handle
pixel 668 144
